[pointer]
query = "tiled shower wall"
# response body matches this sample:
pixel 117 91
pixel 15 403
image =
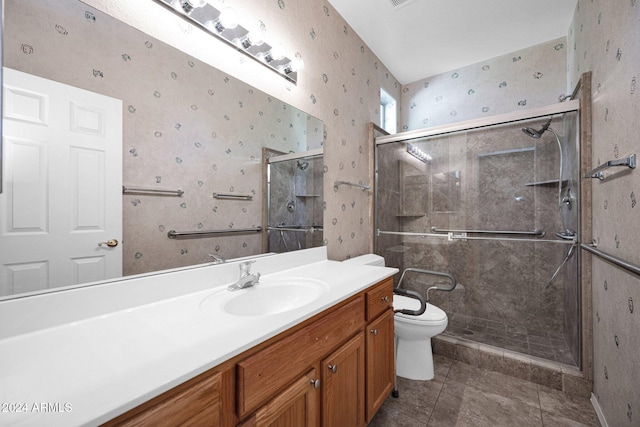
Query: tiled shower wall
pixel 603 38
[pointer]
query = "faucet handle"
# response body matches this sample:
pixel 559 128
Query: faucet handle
pixel 245 266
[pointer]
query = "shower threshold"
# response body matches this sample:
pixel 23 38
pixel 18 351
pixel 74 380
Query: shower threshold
pixel 538 343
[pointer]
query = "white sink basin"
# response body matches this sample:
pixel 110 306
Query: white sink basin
pixel 270 296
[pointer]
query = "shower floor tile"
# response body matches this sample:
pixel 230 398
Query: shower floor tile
pixel 462 395
pixel 547 345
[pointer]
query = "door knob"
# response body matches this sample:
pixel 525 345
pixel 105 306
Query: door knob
pixel 333 368
pixel 111 243
pixel 374 331
pixel 315 383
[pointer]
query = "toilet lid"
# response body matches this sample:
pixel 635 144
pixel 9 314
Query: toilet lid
pixel 431 315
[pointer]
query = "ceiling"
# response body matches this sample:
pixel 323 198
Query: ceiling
pixel 422 38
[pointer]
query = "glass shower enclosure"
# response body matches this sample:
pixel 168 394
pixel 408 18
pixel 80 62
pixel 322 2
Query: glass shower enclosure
pixel 496 207
pixel 294 201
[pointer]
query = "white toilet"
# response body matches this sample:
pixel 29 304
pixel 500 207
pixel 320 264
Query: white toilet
pixel 414 358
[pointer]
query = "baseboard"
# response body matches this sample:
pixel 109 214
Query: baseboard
pixel 598 409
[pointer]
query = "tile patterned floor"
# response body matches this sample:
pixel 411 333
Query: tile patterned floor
pixel 547 345
pixel 462 395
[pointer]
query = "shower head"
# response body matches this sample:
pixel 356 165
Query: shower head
pixel 533 133
pixel 302 165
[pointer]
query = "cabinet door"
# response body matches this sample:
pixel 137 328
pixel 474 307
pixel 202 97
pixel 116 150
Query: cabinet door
pixel 380 362
pixel 297 406
pixel 343 385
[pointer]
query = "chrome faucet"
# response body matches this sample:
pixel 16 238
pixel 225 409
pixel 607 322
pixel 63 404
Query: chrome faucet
pixel 246 278
pixel 217 259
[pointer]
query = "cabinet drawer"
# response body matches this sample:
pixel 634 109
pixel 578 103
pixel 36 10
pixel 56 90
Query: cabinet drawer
pixel 260 376
pixel 379 298
pixel 194 403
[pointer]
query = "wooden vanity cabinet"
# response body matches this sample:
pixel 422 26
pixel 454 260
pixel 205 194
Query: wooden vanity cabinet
pixel 333 370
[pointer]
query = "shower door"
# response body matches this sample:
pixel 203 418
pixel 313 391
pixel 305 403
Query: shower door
pixel 497 209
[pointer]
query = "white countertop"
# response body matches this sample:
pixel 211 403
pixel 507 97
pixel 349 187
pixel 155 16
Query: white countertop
pixel 87 369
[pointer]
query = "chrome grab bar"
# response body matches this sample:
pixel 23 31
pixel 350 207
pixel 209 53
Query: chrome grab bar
pixel 336 184
pixel 155 191
pixel 613 259
pixel 232 196
pixel 451 236
pixel 173 234
pixel 300 229
pixel 536 232
pixel 597 172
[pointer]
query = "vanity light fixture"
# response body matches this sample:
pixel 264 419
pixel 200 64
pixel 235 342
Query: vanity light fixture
pixel 418 153
pixel 224 24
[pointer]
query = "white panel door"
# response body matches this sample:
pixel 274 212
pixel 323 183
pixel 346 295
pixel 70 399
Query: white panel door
pixel 62 185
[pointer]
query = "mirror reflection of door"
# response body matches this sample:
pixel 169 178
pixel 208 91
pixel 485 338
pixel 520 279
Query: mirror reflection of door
pixel 63 185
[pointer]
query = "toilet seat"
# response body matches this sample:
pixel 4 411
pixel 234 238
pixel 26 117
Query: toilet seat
pixel 432 315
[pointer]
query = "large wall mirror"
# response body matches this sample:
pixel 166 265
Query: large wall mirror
pixel 187 130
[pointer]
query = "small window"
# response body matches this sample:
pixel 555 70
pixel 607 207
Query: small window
pixel 387 112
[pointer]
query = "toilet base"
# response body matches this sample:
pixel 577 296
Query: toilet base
pixel 414 359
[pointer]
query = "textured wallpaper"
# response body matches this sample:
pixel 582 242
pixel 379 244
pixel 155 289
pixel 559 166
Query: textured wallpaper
pixel 528 78
pixel 603 38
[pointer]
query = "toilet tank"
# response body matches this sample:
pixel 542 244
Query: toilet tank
pixel 367 259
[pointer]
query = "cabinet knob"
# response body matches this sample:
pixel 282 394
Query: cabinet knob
pixel 385 298
pixel 315 383
pixel 333 368
pixel 374 331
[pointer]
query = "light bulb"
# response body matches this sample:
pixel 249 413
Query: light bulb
pixel 256 37
pixel 228 19
pixel 277 53
pixel 297 64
